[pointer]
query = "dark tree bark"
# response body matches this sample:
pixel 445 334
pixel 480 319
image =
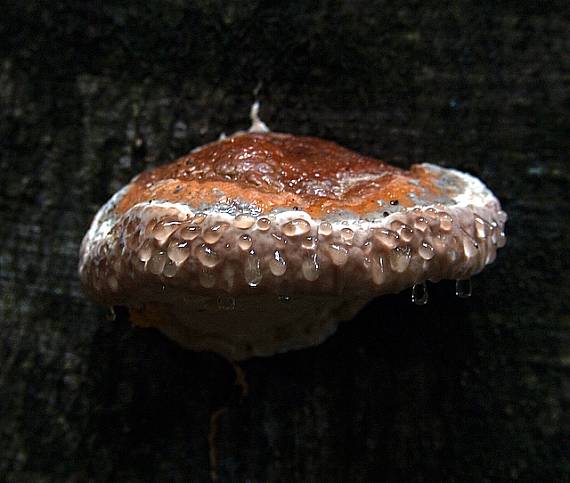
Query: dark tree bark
pixel 459 390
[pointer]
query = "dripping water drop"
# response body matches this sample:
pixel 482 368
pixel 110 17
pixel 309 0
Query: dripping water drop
pixel 463 288
pixel 419 293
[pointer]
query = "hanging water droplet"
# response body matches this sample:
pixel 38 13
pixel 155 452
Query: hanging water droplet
pixel 243 221
pixel 502 216
pixel 263 224
pixel 325 228
pixel 277 264
pixel 445 221
pixel 406 232
pixel 169 269
pixel 309 242
pixel 156 263
pixel 400 258
pixel 207 256
pixel 310 268
pixel 214 233
pixel 470 246
pixel 501 239
pixel 491 255
pixel 252 269
pixel 347 235
pixel 338 254
pixel 226 303
pixel 481 227
pixel 463 288
pixel 296 227
pixel 378 270
pixel 388 238
pixel 178 251
pixel 190 232
pixel 244 242
pixel 419 293
pixel 164 229
pixel 426 251
pixel 145 251
pixel 421 223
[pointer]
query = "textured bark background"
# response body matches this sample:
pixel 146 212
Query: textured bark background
pixel 458 390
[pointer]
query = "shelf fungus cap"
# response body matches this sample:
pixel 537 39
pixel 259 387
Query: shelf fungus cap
pixel 262 242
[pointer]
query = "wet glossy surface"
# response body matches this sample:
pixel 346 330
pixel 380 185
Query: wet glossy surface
pixel 274 170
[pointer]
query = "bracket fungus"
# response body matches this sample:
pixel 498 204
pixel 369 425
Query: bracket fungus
pixel 262 242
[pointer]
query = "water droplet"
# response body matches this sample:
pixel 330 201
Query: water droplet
pixel 263 224
pixel 284 299
pixel 277 264
pixel 190 232
pixel 146 251
pixel 178 251
pixel 400 258
pixel 481 227
pixel 421 223
pixel 463 288
pixel 156 263
pixel 214 233
pixel 243 221
pixel 164 229
pixel 325 229
pixel 470 246
pixel 501 239
pixel 347 235
pixel 296 227
pixel 310 268
pixel 170 269
pixel 388 238
pixel 226 303
pixel 244 242
pixel 378 270
pixel 419 293
pixel 445 221
pixel 207 256
pixel 338 254
pixel 426 251
pixel 502 216
pixel 406 232
pixel 252 269
pixel 309 242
